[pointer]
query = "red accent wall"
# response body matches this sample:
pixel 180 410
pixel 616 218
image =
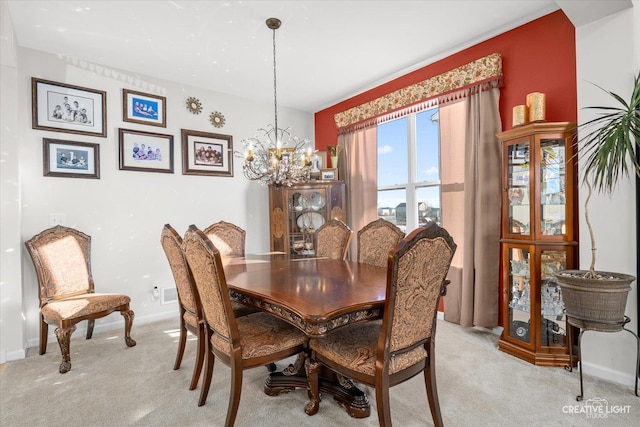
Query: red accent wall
pixel 539 56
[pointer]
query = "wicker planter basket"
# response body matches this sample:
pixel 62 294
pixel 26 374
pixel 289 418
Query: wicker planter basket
pixel 595 304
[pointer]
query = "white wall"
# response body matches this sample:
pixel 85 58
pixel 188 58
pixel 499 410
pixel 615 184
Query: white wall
pixel 123 211
pixel 11 325
pixel 608 55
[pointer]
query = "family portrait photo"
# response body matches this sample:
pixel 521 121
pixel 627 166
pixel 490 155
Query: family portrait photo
pixel 145 151
pixel 205 153
pixel 74 109
pixel 71 159
pixel 143 108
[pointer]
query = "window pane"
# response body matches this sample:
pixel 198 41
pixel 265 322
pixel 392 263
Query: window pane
pixel 392 206
pixel 392 153
pixel 428 145
pixel 429 205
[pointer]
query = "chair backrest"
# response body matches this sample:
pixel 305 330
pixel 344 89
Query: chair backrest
pixel 375 240
pixel 62 259
pixel 187 292
pixel 332 239
pixel 416 276
pixel 228 238
pixel 206 266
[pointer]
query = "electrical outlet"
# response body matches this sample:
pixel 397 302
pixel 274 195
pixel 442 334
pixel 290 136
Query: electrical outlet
pixel 57 219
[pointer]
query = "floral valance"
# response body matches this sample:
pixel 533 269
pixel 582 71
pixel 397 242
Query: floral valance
pixel 484 70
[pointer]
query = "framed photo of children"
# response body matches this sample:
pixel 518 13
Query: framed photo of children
pixel 144 108
pixel 145 151
pixel 205 153
pixel 67 108
pixel 71 159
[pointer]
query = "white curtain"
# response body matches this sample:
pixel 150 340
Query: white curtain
pixel 471 171
pixel 358 163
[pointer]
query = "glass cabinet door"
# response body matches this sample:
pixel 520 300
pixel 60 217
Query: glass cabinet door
pixel 553 322
pixel 520 297
pixel 518 188
pixel 552 184
pixel 308 211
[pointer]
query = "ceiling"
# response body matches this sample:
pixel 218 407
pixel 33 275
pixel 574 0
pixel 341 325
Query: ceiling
pixel 326 50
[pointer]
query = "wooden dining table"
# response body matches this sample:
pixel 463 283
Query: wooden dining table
pixel 316 295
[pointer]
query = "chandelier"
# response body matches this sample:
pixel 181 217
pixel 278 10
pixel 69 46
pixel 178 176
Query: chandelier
pixel 275 157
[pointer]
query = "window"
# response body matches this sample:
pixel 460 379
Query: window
pixel 409 170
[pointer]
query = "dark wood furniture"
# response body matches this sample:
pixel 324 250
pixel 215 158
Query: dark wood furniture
pixel 316 295
pixel 296 212
pixel 240 343
pixel 62 259
pixel 539 232
pixel 189 307
pixel 332 239
pixel 403 345
pixel 376 239
pixel 228 238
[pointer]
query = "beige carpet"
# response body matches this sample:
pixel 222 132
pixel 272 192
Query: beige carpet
pixel 112 385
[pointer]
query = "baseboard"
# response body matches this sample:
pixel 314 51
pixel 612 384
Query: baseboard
pixel 116 323
pixel 608 374
pixel 7 356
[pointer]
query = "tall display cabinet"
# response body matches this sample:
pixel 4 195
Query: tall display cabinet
pixel 296 212
pixel 539 231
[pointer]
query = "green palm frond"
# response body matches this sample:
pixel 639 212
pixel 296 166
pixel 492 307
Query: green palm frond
pixel 609 150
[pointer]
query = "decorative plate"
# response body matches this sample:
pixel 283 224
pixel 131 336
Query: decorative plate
pixel 308 219
pixel 194 105
pixel 217 119
pixel 317 201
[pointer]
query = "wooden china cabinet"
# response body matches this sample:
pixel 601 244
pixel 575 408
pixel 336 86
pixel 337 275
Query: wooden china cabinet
pixel 296 212
pixel 539 232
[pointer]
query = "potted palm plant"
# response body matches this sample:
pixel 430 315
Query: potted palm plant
pixel 597 299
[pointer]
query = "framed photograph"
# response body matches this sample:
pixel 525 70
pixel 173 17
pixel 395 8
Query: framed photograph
pixel 66 108
pixel 287 153
pixel 145 151
pixel 205 153
pixel 328 174
pixel 318 161
pixel 143 108
pixel 70 159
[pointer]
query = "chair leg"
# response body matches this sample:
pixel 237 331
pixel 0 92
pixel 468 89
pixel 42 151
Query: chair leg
pixel 181 345
pixel 382 404
pixel 313 373
pixel 90 324
pixel 128 321
pixel 199 358
pixel 208 372
pixel 234 398
pixel 432 389
pixel 44 331
pixel 64 338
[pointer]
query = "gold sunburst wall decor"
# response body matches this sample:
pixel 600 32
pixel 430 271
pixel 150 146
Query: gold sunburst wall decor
pixel 194 105
pixel 217 119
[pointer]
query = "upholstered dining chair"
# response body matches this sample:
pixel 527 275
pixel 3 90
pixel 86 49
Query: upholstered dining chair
pixel 375 240
pixel 240 343
pixel 332 239
pixel 403 345
pixel 62 260
pixel 228 238
pixel 190 309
